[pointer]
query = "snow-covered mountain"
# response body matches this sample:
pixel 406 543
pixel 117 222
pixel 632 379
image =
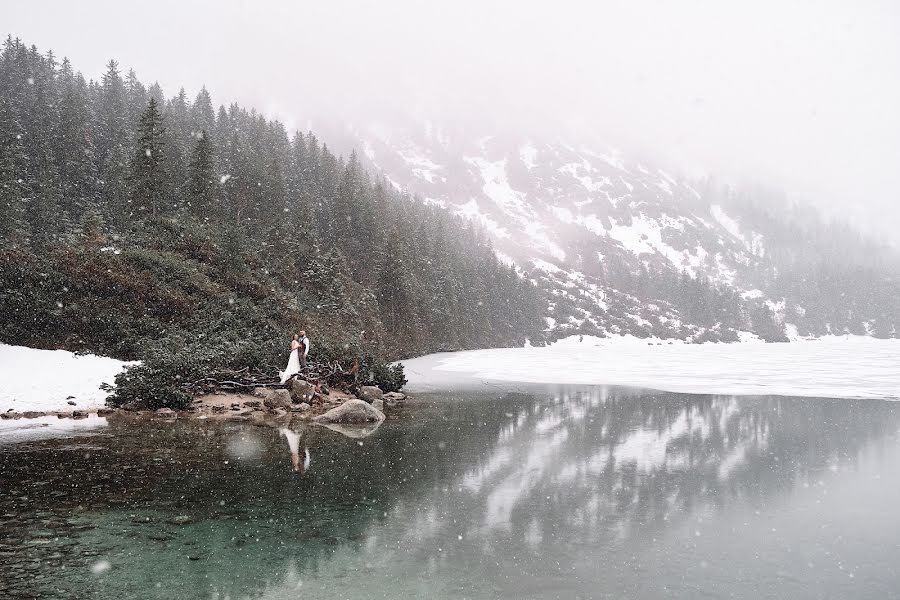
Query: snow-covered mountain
pixel 622 246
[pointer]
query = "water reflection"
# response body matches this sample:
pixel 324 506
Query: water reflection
pixel 294 439
pixel 567 492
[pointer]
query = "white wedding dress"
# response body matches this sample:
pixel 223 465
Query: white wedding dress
pixel 293 366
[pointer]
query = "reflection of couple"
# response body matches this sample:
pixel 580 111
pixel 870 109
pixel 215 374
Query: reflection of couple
pixel 297 359
pixel 293 440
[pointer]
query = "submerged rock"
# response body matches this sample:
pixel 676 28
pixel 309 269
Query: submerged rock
pixel 352 411
pixel 370 393
pixel 393 398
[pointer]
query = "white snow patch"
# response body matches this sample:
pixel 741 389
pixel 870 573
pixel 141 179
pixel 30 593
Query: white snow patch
pixel 834 367
pixel 528 154
pixel 43 380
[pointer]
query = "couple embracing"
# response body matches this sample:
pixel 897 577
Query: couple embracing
pixel 297 359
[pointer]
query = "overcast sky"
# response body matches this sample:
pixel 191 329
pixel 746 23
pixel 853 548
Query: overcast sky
pixel 801 95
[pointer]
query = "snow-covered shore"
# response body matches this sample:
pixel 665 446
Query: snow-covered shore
pixel 47 380
pixel 834 367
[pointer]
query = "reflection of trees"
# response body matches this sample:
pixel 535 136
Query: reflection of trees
pixel 518 475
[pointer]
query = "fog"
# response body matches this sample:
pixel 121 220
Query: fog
pixel 800 95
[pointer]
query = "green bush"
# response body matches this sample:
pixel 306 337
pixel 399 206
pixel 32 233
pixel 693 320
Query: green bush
pixel 388 377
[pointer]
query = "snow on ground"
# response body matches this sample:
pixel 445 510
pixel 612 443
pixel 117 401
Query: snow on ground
pixel 44 380
pixel 42 428
pixel 835 367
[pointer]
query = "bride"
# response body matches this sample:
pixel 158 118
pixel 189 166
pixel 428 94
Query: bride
pixel 293 366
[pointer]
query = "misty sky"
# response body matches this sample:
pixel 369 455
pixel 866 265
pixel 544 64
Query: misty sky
pixel 803 95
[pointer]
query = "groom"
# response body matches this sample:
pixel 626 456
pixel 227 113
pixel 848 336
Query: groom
pixel 304 349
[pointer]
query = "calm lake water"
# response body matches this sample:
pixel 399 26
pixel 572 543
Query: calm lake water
pixel 545 493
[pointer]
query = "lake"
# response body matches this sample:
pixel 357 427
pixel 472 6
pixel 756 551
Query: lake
pixel 509 491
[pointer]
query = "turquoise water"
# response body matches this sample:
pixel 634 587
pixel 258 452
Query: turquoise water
pixel 549 492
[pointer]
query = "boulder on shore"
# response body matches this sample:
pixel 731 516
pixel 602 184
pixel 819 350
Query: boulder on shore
pixel 301 391
pixel 278 399
pixel 378 404
pixel 352 412
pixel 370 393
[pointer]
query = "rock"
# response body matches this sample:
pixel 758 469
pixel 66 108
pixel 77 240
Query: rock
pixel 262 392
pixel 70 403
pixel 182 520
pixel 253 403
pixel 325 390
pixel 378 404
pixel 352 411
pixel 302 407
pixel 10 415
pixel 166 413
pixel 218 408
pixel 105 412
pixel 278 399
pixel 370 393
pixel 280 412
pixel 393 398
pixel 141 519
pixel 301 391
pixel 32 414
pixel 79 414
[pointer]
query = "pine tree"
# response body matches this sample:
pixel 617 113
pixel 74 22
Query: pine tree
pixel 202 181
pixel 111 143
pixel 13 227
pixel 147 177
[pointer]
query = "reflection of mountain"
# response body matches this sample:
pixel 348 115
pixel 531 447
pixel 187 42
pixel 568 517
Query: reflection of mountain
pixel 466 497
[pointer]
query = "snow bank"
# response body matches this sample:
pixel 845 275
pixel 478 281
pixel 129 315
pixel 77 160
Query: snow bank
pixel 46 380
pixel 42 428
pixel 836 367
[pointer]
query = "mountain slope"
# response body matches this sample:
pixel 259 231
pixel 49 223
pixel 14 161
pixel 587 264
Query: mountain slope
pixel 622 247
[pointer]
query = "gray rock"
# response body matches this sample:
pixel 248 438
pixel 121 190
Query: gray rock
pixel 370 393
pixel 352 411
pixel 302 407
pixel 393 399
pixel 378 404
pixel 79 414
pixel 182 520
pixel 33 414
pixel 278 399
pixel 262 392
pixel 301 391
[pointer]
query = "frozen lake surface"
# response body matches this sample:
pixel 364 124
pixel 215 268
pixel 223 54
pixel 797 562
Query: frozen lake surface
pixel 836 367
pixel 554 492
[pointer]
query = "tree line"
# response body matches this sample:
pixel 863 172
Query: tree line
pixel 132 182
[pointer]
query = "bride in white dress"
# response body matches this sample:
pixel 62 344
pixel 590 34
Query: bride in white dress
pixel 293 366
